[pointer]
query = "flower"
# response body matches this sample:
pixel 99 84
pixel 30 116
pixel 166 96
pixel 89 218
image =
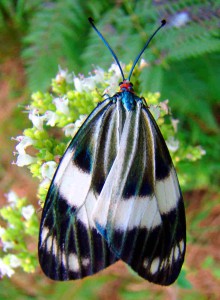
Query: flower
pixel 71 129
pixel 27 212
pixel 175 124
pixel 36 119
pixel 63 75
pixel 87 84
pixel 99 75
pixel 48 169
pixel 164 106
pixel 2 231
pixel 5 269
pixel 180 19
pixel 78 83
pixel 51 118
pixel 155 110
pixel 24 142
pixel 14 261
pixel 143 63
pixel 172 144
pixel 7 245
pixel 62 105
pixel 202 151
pixel 114 79
pixel 12 198
pixel 115 69
pixel 24 160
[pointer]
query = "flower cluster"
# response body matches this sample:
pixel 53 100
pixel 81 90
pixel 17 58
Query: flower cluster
pixel 55 118
pixel 21 226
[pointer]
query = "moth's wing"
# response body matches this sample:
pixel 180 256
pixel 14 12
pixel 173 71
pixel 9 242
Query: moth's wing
pixel 140 210
pixel 70 246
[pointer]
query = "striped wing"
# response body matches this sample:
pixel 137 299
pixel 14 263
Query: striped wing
pixel 140 210
pixel 70 246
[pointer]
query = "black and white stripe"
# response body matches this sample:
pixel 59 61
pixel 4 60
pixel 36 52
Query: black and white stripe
pixel 115 195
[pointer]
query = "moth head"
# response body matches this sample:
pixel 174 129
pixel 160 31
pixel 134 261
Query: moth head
pixel 126 85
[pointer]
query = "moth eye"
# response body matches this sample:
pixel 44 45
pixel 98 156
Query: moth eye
pixel 120 83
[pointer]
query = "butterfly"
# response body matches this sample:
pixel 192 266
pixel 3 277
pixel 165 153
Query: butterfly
pixel 115 195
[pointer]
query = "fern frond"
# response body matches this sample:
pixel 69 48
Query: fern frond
pixel 54 39
pixel 60 34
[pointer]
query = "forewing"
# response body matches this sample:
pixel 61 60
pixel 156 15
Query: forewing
pixel 140 210
pixel 70 246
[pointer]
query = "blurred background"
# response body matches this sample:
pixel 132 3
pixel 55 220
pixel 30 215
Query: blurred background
pixel 183 65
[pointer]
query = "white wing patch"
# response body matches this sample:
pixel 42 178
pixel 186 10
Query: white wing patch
pixel 176 252
pixel 167 193
pixel 63 259
pixel 63 165
pixel 49 243
pixel 182 246
pixel 86 211
pixel 55 247
pixel 129 213
pixel 155 265
pixel 74 186
pixel 73 262
pixel 44 234
pixel 85 262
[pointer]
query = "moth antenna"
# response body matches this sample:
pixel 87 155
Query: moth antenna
pixel 91 21
pixel 163 22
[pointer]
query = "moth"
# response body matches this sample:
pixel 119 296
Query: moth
pixel 115 195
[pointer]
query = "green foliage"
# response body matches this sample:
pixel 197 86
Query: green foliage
pixel 211 264
pixel 57 35
pixel 184 37
pixel 14 22
pixel 182 281
pixel 15 14
pixel 60 33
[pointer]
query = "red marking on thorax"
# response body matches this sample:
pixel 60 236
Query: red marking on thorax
pixel 126 85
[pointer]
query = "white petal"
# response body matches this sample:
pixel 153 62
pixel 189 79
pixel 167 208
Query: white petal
pixel 25 160
pixel 48 169
pixel 5 269
pixel 14 261
pixel 27 212
pixel 12 198
pixel 51 118
pixel 62 105
pixel 37 120
pixel 24 143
